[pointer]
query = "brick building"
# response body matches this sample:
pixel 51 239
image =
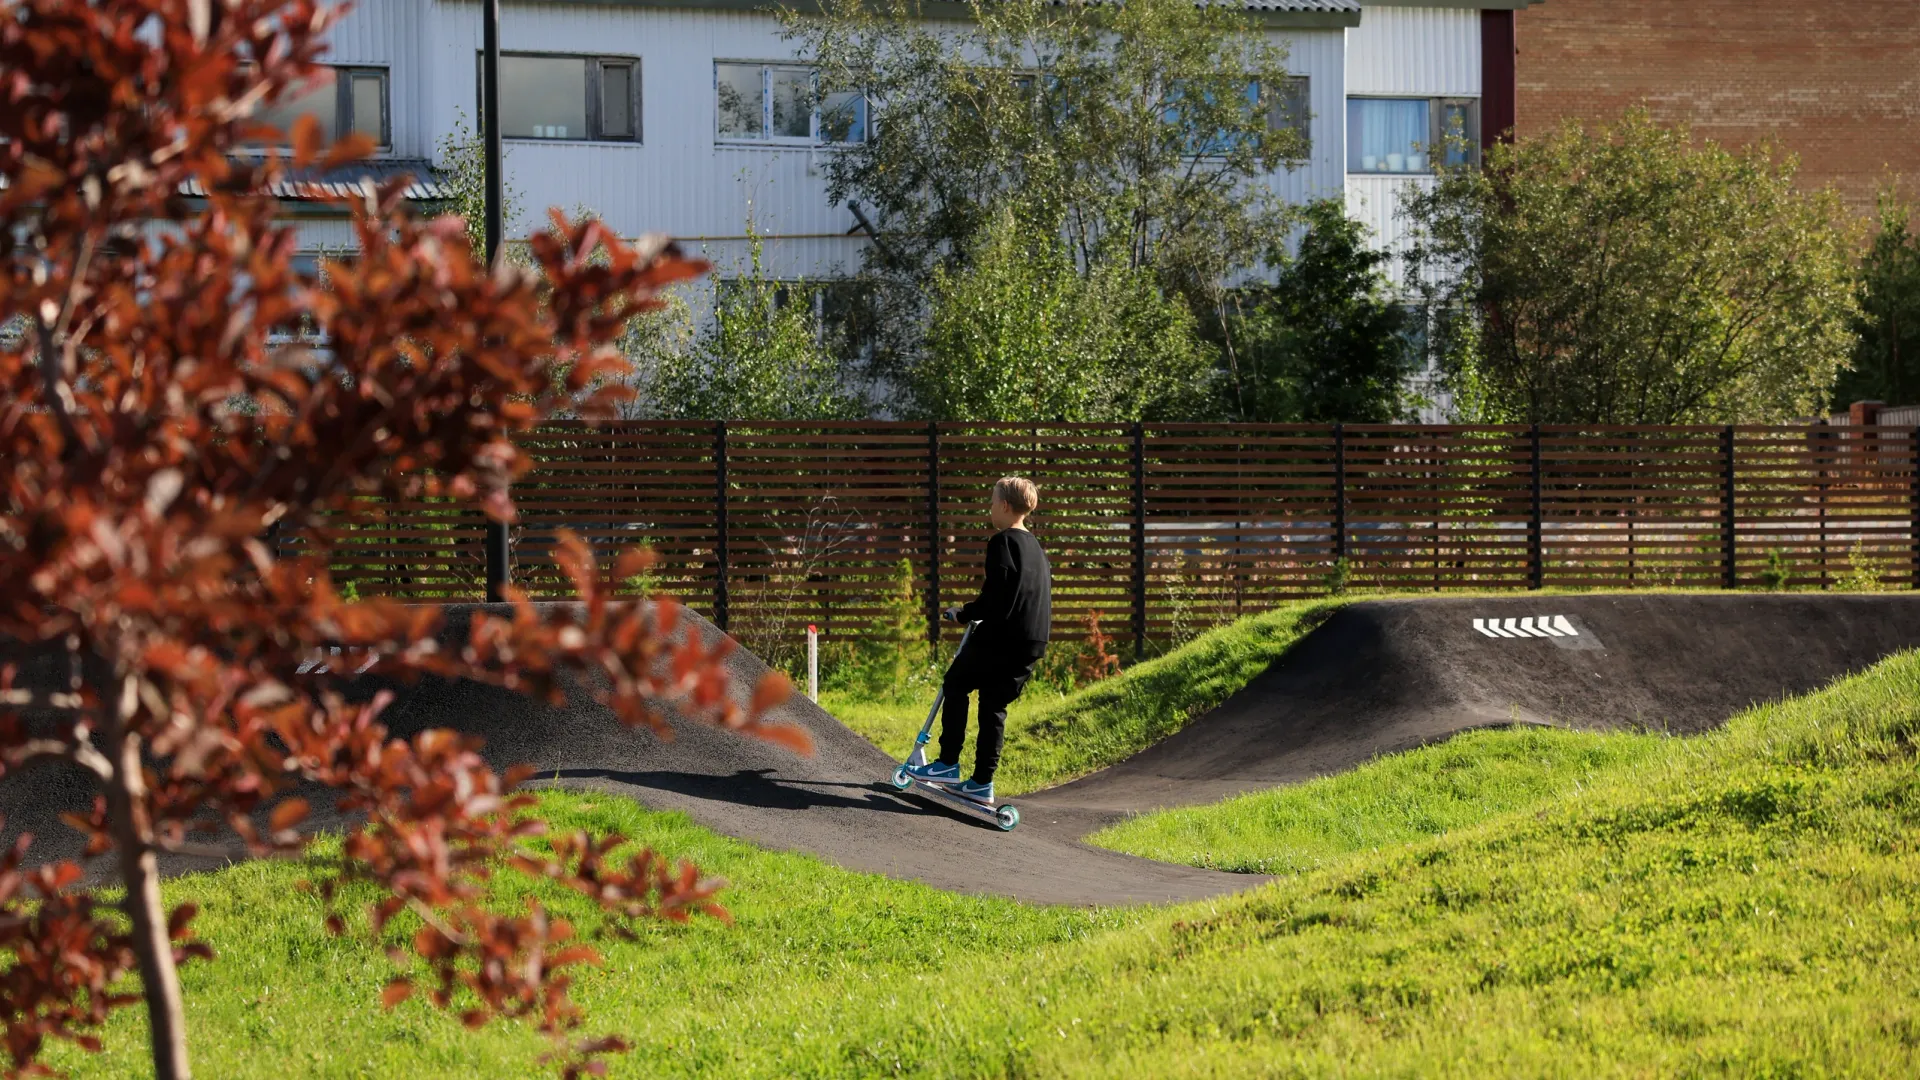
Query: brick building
pixel 1836 83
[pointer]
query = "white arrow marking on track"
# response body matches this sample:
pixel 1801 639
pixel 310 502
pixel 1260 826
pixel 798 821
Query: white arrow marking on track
pixel 1532 626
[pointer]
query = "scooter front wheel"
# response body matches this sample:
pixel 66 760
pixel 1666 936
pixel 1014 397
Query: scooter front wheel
pixel 1007 817
pixel 900 778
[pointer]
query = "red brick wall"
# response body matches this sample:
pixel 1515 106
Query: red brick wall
pixel 1836 81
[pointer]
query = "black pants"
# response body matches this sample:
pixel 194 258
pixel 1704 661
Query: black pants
pixel 999 679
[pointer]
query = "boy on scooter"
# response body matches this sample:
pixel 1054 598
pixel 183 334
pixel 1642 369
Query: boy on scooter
pixel 1015 613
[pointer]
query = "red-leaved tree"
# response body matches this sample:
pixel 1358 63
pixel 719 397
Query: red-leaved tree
pixel 156 427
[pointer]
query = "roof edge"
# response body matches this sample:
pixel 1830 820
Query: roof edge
pixel 1483 5
pixel 952 9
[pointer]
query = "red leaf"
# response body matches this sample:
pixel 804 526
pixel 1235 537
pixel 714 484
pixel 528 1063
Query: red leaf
pixel 396 992
pixel 178 919
pixel 289 813
pixel 774 688
pixel 792 736
pixel 306 139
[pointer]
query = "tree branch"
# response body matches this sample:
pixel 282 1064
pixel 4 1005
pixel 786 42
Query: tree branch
pixel 59 397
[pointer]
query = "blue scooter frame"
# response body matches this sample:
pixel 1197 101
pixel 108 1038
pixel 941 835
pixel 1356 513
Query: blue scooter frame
pixel 1005 815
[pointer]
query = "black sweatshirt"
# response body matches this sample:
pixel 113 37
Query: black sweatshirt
pixel 1015 608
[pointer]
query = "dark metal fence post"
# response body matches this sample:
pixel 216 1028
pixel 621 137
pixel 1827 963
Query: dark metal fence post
pixel 1339 492
pixel 498 571
pixel 933 535
pixel 1536 541
pixel 1139 540
pixel 1913 509
pixel 720 524
pixel 1729 570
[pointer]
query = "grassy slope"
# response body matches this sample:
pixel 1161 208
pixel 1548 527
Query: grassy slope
pixel 1052 739
pixel 1394 800
pixel 284 1000
pixel 1746 903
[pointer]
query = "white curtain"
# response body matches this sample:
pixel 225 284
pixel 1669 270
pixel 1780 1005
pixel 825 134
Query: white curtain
pixel 1381 127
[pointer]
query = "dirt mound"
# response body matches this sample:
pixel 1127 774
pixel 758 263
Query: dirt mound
pixel 1377 677
pixel 1388 675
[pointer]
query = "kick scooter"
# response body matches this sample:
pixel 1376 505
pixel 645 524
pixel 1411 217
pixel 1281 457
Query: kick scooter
pixel 1004 815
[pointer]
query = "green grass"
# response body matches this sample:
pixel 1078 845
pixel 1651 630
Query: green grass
pixel 1051 738
pixel 283 999
pixel 1740 904
pixel 1395 800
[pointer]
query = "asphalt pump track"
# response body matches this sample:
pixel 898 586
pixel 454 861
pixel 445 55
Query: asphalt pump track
pixel 1376 677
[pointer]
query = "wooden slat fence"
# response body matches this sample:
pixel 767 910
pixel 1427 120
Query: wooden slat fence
pixel 867 528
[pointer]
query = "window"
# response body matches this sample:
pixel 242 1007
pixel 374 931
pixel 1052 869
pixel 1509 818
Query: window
pixel 1287 109
pixel 1459 133
pixel 594 98
pixel 1187 119
pixel 776 103
pixel 1400 135
pixel 1291 109
pixel 356 102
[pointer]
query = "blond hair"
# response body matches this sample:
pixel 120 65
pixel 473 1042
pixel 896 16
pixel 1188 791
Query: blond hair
pixel 1018 493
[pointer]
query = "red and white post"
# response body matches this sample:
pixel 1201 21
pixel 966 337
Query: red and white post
pixel 813 663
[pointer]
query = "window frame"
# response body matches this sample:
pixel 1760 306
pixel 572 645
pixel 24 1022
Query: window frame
pixel 1264 103
pixel 1304 125
pixel 813 138
pixel 1437 106
pixel 1471 132
pixel 593 87
pixel 343 106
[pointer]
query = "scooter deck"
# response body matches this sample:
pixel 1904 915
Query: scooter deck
pixel 1004 815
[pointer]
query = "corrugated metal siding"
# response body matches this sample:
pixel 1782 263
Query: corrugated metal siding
pixel 325 235
pixel 679 181
pixel 389 33
pixel 1320 56
pixel 1375 201
pixel 1415 51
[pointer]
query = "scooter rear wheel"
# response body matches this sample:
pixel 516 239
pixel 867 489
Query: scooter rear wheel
pixel 900 778
pixel 1007 817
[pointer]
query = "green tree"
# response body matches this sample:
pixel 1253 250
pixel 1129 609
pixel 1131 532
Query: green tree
pixel 764 356
pixel 463 172
pixel 1017 333
pixel 1325 341
pixel 1886 361
pixel 1146 130
pixel 1627 275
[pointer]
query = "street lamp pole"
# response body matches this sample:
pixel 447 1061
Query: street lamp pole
pixel 497 571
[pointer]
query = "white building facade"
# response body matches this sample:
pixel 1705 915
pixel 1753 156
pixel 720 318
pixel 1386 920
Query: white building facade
pixel 675 115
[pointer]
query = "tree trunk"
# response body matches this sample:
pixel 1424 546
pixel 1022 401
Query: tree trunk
pixel 140 871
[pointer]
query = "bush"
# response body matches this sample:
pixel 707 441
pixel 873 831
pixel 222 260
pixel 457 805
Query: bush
pixel 1777 573
pixel 1864 572
pixel 1020 333
pixel 1326 342
pixel 1886 361
pixel 764 358
pixel 1627 275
